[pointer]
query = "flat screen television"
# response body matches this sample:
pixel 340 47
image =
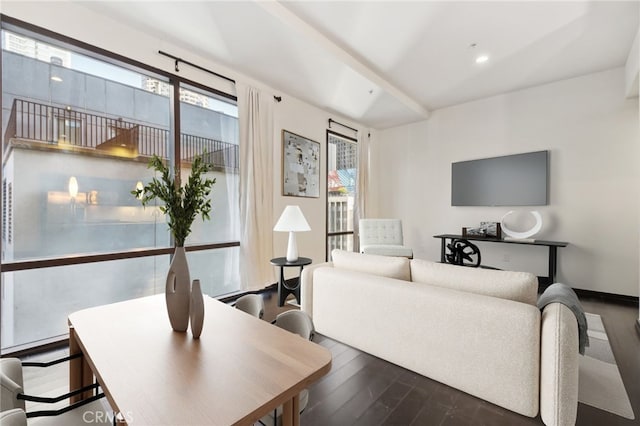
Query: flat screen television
pixel 511 180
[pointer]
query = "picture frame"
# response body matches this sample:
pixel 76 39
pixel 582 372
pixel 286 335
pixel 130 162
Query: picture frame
pixel 492 229
pixel 300 166
pixel 485 230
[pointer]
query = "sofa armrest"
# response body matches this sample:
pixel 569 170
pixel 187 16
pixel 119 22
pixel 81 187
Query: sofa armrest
pixel 558 366
pixel 306 287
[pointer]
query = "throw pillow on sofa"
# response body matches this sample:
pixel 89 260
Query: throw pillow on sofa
pixel 384 266
pixel 516 286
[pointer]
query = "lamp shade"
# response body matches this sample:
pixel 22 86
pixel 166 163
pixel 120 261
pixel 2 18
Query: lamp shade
pixel 292 220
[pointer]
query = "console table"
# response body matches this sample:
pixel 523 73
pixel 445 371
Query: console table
pixel 552 245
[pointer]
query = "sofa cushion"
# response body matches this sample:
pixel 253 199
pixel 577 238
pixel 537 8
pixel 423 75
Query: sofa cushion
pixel 384 266
pixel 387 250
pixel 517 286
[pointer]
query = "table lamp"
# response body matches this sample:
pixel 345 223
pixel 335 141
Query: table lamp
pixel 292 220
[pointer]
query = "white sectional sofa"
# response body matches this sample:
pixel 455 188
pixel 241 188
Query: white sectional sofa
pixel 476 330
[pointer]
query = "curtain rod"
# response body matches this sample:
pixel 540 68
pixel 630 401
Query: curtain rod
pixel 340 124
pixel 178 60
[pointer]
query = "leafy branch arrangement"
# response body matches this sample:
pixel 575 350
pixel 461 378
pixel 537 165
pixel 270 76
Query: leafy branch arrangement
pixel 181 204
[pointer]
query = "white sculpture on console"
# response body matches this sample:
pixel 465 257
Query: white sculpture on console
pixel 524 235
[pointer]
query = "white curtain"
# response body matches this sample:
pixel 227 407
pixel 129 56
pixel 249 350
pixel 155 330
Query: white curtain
pixel 362 183
pixel 255 118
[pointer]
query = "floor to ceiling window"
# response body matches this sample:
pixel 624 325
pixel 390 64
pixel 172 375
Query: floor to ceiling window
pixel 209 128
pixel 342 175
pixel 78 129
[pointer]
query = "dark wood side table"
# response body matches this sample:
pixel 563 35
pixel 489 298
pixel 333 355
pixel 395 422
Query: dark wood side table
pixel 283 288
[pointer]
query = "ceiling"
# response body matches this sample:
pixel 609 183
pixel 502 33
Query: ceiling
pixel 387 63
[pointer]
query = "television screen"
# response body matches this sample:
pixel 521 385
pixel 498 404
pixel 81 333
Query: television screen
pixel 512 180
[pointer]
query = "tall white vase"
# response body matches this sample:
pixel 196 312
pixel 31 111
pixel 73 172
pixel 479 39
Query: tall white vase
pixel 196 310
pixel 178 291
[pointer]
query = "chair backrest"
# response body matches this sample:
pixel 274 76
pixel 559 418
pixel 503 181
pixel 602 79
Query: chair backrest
pixel 14 417
pixel 297 322
pixel 11 383
pixel 253 304
pixel 380 231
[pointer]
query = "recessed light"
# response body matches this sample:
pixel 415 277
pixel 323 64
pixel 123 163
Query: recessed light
pixel 56 78
pixel 482 59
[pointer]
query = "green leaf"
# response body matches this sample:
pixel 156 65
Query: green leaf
pixel 181 204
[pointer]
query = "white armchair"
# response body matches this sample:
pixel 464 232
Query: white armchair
pixel 383 237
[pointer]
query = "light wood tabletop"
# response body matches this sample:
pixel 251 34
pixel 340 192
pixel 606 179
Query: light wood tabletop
pixel 239 370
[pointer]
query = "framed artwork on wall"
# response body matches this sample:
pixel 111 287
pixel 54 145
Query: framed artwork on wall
pixel 300 166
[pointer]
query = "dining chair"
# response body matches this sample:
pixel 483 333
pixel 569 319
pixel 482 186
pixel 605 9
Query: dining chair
pixel 13 398
pixel 300 323
pixel 253 304
pixel 13 417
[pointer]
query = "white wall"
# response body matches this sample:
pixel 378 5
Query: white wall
pixel 632 76
pixel 632 68
pixel 78 22
pixel 592 133
pixel 303 119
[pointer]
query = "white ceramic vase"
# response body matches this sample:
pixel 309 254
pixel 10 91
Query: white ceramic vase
pixel 196 310
pixel 178 291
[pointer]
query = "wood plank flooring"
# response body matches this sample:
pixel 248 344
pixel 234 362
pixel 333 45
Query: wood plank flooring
pixel 363 390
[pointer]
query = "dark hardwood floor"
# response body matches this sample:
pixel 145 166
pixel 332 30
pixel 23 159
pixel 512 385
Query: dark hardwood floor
pixel 363 390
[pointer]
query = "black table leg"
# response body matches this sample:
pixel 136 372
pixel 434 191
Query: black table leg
pixel 293 287
pixel 285 290
pixel 553 252
pixel 282 293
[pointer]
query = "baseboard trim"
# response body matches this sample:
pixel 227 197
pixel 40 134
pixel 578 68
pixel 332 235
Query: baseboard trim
pixel 609 297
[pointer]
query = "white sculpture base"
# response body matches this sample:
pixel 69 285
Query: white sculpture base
pixel 514 235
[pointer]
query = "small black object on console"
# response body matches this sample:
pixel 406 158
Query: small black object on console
pixel 462 252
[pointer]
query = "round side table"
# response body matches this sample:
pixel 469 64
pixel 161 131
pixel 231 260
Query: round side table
pixel 285 289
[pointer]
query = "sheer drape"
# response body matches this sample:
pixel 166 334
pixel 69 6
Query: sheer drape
pixel 255 119
pixel 362 185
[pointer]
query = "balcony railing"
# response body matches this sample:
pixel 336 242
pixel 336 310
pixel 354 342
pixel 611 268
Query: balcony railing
pixel 52 125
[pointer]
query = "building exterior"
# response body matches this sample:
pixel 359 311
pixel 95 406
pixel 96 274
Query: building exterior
pixel 74 147
pixel 31 48
pixel 342 176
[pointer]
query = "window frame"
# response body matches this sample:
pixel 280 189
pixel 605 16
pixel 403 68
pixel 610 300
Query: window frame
pixel 58 40
pixel 327 207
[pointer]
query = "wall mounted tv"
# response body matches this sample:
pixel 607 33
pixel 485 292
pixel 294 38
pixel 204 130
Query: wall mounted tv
pixel 512 180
